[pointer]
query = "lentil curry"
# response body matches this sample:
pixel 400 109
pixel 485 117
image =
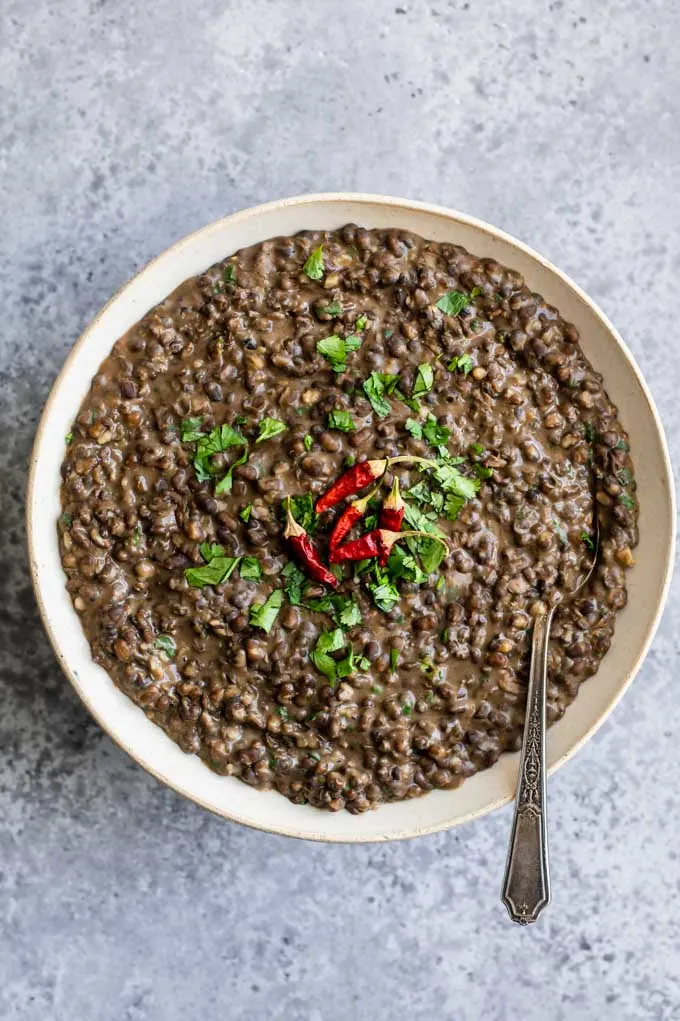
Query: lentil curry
pixel 314 499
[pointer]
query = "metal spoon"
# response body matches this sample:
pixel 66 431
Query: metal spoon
pixel 526 886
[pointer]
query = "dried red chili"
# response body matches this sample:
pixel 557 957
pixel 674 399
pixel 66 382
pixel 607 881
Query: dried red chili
pixel 377 543
pixel 392 510
pixel 306 551
pixel 361 475
pixel 353 513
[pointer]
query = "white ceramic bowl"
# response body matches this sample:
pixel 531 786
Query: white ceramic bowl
pixel 128 726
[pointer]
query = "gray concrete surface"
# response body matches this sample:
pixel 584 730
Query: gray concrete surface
pixel 124 125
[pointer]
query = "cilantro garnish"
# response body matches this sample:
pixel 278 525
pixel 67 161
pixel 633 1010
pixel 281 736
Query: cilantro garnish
pixel 229 275
pixel 245 513
pixel 394 659
pixel 308 442
pixel 302 509
pixel 166 644
pixel 344 610
pixel 269 428
pixel 294 583
pixel 453 302
pixel 335 350
pixel 375 390
pixel 68 438
pixel 250 569
pixel 334 309
pixel 263 615
pixel 462 363
pixel 214 573
pixel 191 429
pixel 587 541
pixel 341 420
pixel 424 380
pixel 313 267
pixel 361 323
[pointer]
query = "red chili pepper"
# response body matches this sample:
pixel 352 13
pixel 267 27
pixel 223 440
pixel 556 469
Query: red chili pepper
pixel 306 551
pixel 392 510
pixel 353 513
pixel 377 543
pixel 361 475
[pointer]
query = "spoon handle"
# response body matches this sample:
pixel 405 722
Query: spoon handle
pixel 526 886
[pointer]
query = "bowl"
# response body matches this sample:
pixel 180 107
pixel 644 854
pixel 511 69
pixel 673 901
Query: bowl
pixel 128 726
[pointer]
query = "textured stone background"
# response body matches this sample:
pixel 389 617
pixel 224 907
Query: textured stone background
pixel 124 125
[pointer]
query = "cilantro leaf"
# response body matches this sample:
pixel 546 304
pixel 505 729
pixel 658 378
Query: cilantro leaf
pixel 424 380
pixel 341 420
pixel 263 615
pixel 214 573
pixel 435 434
pixel 218 439
pixel 250 569
pixel 245 513
pixel 385 594
pixel 394 659
pixel 308 442
pixel 452 481
pixel 420 521
pixel 229 275
pixel 404 565
pixel 334 309
pixel 269 428
pixel 453 302
pixel 68 438
pixel 210 550
pixel 313 267
pixel 335 350
pixel 225 484
pixel 302 509
pixel 294 583
pixel 166 644
pixel 344 610
pixel 361 323
pixel 374 388
pixel 327 642
pixel 587 541
pixel 463 363
pixel 191 429
pixel 414 428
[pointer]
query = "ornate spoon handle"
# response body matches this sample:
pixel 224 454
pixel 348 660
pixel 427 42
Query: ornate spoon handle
pixel 526 887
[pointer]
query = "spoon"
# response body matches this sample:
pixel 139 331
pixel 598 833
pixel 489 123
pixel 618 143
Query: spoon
pixel 526 885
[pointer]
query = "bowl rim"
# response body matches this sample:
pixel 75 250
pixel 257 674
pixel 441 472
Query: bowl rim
pixel 357 198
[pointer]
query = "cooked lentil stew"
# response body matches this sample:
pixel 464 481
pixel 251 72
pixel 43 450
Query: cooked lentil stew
pixel 314 648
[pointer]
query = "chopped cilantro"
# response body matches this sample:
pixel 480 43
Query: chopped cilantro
pixel 377 689
pixel 225 484
pixel 294 583
pixel 327 642
pixel 384 592
pixel 435 434
pixel 263 615
pixel 341 420
pixel 214 573
pixel 166 644
pixel 589 432
pixel 308 442
pixel 269 428
pixel 375 390
pixel 137 536
pixel 394 659
pixel 191 429
pixel 210 550
pixel 229 275
pixel 361 323
pixel 335 350
pixel 387 334
pixel 407 709
pixel 283 712
pixel 453 302
pixel 587 541
pixel 477 448
pixel 250 569
pixel 68 438
pixel 313 267
pixel 67 521
pixel 462 363
pixel 627 500
pixel 344 610
pixel 334 309
pixel 414 428
pixel 302 509
pixel 217 440
pixel 246 512
pixel 424 380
